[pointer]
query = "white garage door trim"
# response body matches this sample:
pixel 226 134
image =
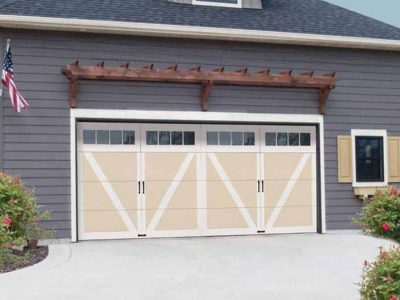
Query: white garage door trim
pixel 178 116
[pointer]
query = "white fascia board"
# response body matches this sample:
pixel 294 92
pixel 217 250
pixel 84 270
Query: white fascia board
pixel 180 31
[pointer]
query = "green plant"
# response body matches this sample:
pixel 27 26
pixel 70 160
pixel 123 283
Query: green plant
pixel 18 206
pixel 381 279
pixel 7 257
pixel 380 215
pixel 34 232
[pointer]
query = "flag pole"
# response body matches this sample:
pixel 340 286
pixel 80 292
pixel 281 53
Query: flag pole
pixel 4 54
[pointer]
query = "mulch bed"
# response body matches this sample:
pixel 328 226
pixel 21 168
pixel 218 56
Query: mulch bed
pixel 32 257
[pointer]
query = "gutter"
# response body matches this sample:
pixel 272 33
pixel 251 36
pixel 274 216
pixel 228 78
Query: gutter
pixel 194 32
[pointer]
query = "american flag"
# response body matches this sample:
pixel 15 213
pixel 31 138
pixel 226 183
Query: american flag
pixel 18 102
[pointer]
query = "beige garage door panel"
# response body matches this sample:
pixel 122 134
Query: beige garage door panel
pixel 291 216
pixel 165 166
pixel 237 166
pixel 172 220
pixel 229 218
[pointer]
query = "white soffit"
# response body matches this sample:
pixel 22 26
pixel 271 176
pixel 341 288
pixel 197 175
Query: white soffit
pixel 179 31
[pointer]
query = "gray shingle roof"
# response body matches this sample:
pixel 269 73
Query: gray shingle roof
pixel 297 16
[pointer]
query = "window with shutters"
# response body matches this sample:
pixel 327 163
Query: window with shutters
pixel 223 3
pixel 369 158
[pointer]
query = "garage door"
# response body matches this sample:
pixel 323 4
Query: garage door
pixel 160 180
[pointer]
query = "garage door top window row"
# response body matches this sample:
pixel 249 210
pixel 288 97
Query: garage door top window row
pixel 287 139
pixel 109 137
pixel 227 138
pixel 167 138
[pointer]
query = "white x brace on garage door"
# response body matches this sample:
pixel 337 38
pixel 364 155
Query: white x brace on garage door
pixel 160 180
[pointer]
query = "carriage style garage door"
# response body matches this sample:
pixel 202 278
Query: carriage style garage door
pixel 160 180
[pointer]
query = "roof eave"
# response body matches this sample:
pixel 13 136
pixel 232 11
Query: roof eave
pixel 180 31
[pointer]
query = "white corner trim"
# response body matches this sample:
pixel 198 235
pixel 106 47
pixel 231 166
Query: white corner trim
pixel 74 209
pixel 194 32
pixel 369 132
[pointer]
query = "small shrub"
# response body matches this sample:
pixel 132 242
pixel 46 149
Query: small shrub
pixel 380 215
pixel 381 279
pixel 19 217
pixel 18 206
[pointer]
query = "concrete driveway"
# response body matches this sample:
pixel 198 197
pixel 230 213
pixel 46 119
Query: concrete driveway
pixel 252 267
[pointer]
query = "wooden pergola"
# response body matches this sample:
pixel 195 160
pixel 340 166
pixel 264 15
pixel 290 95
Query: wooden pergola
pixel 264 78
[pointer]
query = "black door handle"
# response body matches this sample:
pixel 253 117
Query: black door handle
pixel 263 186
pixel 258 185
pixel 144 190
pixel 139 187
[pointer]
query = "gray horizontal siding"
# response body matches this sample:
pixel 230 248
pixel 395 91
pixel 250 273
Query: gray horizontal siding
pixel 36 142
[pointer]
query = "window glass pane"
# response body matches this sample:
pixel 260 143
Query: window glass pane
pixel 115 137
pixel 151 137
pixel 237 138
pixel 270 139
pixel 249 138
pixel 220 1
pixel 129 137
pixel 103 137
pixel 294 139
pixel 369 159
pixel 89 137
pixel 176 138
pixel 282 139
pixel 189 138
pixel 212 138
pixel 305 139
pixel 164 138
pixel 224 138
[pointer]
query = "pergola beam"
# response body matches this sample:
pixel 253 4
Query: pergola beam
pixel 241 77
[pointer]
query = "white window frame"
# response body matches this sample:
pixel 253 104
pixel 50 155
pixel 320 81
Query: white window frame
pixel 369 132
pixel 220 4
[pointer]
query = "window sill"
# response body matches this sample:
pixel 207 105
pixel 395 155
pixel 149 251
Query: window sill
pixel 362 192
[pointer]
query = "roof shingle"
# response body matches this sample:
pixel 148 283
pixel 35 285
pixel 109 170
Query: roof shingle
pixel 296 16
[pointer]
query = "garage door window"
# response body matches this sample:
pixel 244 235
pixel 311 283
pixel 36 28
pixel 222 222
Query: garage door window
pixel 108 137
pixel 167 138
pixel 287 139
pixel 228 138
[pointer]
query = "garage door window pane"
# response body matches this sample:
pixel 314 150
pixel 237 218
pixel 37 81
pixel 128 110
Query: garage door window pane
pixel 249 138
pixel 165 138
pixel 176 138
pixel 189 138
pixel 270 139
pixel 225 138
pixel 282 139
pixel 305 139
pixel 294 139
pixel 116 137
pixel 237 138
pixel 89 137
pixel 212 138
pixel 129 138
pixel 152 138
pixel 103 137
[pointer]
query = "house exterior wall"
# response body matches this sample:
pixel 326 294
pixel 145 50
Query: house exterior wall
pixel 36 142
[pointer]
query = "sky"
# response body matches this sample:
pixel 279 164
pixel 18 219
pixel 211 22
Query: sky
pixel 387 11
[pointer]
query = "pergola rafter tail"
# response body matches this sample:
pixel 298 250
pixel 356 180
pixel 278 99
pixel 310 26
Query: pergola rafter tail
pixel 241 77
